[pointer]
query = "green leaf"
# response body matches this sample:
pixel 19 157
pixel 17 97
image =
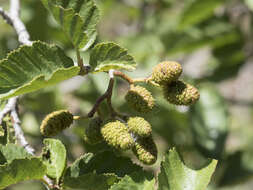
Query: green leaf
pixel 209 121
pixel 54 157
pixel 175 175
pixel 11 152
pixel 20 170
pixel 90 181
pixel 78 20
pixel 198 11
pixel 103 169
pixel 106 56
pixel 136 181
pixel 30 68
pixel 105 162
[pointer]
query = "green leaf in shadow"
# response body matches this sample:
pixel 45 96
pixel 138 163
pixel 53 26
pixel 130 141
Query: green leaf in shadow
pixel 20 170
pixel 78 20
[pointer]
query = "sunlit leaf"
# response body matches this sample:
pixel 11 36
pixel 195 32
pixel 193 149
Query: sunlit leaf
pixel 175 175
pixel 106 56
pixel 54 157
pixel 30 68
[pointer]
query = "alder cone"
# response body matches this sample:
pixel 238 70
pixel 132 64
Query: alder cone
pixel 180 93
pixel 145 150
pixel 56 122
pixel 166 72
pixel 139 126
pixel 116 134
pixel 140 99
pixel 92 133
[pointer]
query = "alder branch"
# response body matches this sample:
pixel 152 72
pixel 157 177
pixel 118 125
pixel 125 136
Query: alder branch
pixel 13 19
pixel 17 128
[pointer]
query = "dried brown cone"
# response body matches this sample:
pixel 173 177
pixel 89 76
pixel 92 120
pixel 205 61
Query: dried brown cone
pixel 140 99
pixel 92 133
pixel 145 150
pixel 139 126
pixel 180 93
pixel 116 134
pixel 166 72
pixel 56 122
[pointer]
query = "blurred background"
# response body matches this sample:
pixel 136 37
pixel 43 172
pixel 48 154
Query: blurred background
pixel 212 39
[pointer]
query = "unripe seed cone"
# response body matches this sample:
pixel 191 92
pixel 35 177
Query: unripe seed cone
pixel 140 99
pixel 116 134
pixel 139 126
pixel 180 93
pixel 92 132
pixel 145 150
pixel 56 122
pixel 166 72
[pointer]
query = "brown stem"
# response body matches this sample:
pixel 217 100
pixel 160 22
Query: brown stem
pixel 107 95
pixel 128 79
pixel 123 76
pixel 84 69
pixel 109 98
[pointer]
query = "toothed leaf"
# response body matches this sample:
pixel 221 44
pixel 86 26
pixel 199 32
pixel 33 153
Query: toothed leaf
pixel 106 56
pixel 175 175
pixel 78 20
pixel 31 68
pixel 20 170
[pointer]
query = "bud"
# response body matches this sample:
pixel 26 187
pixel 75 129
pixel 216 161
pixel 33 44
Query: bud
pixel 139 126
pixel 166 72
pixel 145 150
pixel 92 132
pixel 116 134
pixel 55 122
pixel 140 99
pixel 180 93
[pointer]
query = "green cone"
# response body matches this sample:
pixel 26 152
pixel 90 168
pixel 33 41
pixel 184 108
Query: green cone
pixel 116 134
pixel 92 133
pixel 180 93
pixel 56 122
pixel 139 126
pixel 145 150
pixel 166 72
pixel 140 99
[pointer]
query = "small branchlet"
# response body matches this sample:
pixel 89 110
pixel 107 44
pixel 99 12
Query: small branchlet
pixel 140 99
pixel 56 122
pixel 180 93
